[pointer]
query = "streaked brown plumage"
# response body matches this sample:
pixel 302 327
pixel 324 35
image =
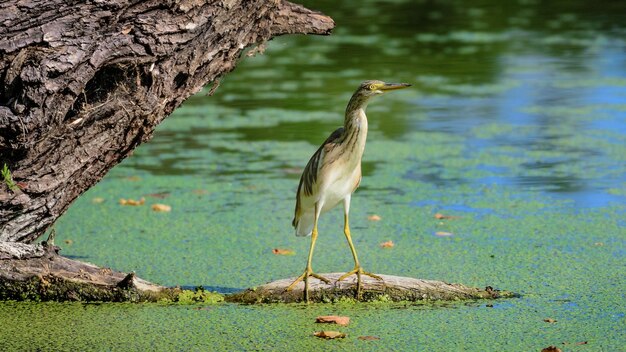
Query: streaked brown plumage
pixel 333 173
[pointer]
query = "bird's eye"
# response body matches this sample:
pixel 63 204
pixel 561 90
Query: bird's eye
pixel 372 87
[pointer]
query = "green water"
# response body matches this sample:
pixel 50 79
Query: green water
pixel 516 124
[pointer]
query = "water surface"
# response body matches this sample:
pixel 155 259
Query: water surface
pixel 516 124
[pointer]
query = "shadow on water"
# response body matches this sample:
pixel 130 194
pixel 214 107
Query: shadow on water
pixel 218 289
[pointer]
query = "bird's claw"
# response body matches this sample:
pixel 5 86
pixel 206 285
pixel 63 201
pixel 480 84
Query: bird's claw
pixel 358 271
pixel 304 277
pixel 308 272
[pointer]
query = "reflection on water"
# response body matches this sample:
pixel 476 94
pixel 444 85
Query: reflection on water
pixel 535 92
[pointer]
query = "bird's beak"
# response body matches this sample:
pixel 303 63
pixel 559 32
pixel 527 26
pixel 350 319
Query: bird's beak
pixel 394 86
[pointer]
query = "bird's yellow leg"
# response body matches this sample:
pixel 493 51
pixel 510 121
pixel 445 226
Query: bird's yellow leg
pixel 308 271
pixel 358 270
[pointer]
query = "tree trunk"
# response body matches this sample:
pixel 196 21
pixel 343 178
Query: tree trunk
pixel 83 83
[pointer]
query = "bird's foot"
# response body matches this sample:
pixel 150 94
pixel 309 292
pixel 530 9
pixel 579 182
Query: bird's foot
pixel 358 271
pixel 308 272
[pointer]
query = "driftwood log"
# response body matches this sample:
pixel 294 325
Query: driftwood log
pixel 392 288
pixel 83 83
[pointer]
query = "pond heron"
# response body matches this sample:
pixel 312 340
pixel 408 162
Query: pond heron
pixel 331 176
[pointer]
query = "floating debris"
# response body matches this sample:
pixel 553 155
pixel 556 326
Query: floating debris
pixel 387 244
pixel 161 208
pixel 333 319
pixel 330 334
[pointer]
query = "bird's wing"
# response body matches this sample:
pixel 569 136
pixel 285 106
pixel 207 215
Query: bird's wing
pixel 309 175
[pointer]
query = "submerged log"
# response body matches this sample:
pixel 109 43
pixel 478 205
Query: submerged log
pixel 392 288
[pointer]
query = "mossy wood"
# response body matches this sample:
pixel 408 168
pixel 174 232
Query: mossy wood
pixel 392 288
pixel 52 277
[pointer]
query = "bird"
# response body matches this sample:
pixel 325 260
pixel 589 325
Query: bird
pixel 331 176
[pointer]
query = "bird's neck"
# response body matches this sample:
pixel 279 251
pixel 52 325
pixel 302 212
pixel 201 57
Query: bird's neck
pixel 355 122
pixel 355 129
pixel 355 119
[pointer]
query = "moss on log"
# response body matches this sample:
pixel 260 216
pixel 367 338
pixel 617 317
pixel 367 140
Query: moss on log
pixel 392 288
pixel 52 277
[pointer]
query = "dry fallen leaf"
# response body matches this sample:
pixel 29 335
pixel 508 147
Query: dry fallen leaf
pixel 126 29
pixel 443 234
pixel 442 216
pixel 68 242
pixel 387 244
pixel 200 192
pixel 550 320
pixel 374 217
pixel 133 178
pixel 333 319
pixel 330 334
pixel 281 251
pixel 551 349
pixel 97 200
pixel 132 201
pixel 369 338
pixel 161 207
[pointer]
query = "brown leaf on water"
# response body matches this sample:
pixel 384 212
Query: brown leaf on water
pixel 161 208
pixel 374 217
pixel 387 244
pixel 443 234
pixel 329 334
pixel 369 338
pixel 132 201
pixel 68 242
pixel 133 178
pixel 551 349
pixel 282 251
pixel 200 192
pixel 333 319
pixel 97 200
pixel 440 216
pixel 550 320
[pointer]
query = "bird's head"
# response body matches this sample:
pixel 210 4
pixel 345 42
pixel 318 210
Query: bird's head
pixel 374 88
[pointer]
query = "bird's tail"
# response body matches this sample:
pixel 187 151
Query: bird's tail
pixel 304 224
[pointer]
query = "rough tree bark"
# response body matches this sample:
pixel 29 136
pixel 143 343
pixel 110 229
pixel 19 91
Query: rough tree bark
pixel 85 82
